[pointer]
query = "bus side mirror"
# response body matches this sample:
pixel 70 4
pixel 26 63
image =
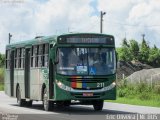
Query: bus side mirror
pixel 116 60
pixel 56 61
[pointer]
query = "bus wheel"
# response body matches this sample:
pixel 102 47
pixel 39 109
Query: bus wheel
pixel 29 103
pixel 48 105
pixel 98 105
pixel 21 102
pixel 67 103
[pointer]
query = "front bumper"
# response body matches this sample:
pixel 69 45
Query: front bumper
pixel 67 93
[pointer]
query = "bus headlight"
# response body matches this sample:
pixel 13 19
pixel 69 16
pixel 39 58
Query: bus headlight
pixel 62 86
pixel 114 83
pixel 111 86
pixel 59 84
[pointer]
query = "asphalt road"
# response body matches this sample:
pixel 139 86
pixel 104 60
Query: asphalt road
pixel 8 106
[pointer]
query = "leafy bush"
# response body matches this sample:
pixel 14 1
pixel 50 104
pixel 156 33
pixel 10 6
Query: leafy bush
pixel 141 87
pixel 1 78
pixel 1 86
pixel 144 96
pixel 157 89
pixel 140 90
pixel 1 75
pixel 122 93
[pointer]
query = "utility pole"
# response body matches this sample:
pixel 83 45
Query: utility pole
pixel 125 36
pixel 10 38
pixel 143 35
pixel 101 21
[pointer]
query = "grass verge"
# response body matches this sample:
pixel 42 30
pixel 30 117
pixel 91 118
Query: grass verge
pixel 135 101
pixel 1 79
pixel 138 94
pixel 1 87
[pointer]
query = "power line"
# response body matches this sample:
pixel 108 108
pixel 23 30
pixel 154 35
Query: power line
pixel 132 25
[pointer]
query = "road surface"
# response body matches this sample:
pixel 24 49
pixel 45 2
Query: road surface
pixel 74 112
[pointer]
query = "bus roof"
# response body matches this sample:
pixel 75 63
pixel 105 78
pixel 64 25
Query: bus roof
pixel 45 39
pixel 85 33
pixel 35 41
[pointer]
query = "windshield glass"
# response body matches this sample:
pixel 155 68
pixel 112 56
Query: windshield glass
pixel 86 61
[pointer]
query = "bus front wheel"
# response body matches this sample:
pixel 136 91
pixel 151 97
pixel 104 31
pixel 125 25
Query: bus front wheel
pixel 29 103
pixel 21 102
pixel 98 105
pixel 48 105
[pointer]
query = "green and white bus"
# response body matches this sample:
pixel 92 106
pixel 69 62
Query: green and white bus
pixel 59 70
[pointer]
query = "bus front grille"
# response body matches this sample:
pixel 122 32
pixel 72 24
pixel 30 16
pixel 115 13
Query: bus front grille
pixel 86 83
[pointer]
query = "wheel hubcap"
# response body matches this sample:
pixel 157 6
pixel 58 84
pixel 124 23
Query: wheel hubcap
pixel 45 101
pixel 18 97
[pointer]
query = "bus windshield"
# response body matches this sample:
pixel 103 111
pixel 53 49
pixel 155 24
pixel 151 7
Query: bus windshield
pixel 86 61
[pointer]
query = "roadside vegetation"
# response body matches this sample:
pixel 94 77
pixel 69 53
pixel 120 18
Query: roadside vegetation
pixel 138 94
pixel 132 50
pixel 2 60
pixel 1 79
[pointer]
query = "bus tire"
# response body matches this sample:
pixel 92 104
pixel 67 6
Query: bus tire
pixel 67 103
pixel 47 104
pixel 29 103
pixel 98 105
pixel 21 102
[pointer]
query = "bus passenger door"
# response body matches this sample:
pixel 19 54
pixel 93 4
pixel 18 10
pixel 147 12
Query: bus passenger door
pixel 51 74
pixel 27 73
pixel 51 79
pixel 12 72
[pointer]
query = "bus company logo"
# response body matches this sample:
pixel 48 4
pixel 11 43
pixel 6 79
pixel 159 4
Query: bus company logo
pixel 132 117
pixel 12 2
pixel 9 117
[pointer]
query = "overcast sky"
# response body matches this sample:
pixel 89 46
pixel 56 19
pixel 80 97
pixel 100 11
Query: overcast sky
pixel 25 19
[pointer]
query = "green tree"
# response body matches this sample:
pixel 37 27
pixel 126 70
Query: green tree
pixel 144 52
pixel 2 60
pixel 154 57
pixel 134 49
pixel 124 52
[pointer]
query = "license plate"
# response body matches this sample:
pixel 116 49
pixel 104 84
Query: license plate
pixel 87 94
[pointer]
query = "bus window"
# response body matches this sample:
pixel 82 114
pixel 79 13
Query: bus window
pixel 40 55
pixel 35 57
pixel 8 59
pixel 32 57
pixel 19 59
pixel 22 58
pixel 46 55
pixel 15 59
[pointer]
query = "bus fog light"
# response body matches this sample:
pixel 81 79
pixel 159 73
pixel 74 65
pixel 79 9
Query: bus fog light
pixel 59 84
pixel 114 83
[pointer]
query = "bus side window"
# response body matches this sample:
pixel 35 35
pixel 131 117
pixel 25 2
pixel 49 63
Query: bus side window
pixel 43 55
pixel 7 59
pixel 22 58
pixel 15 59
pixel 19 58
pixel 35 60
pixel 46 50
pixel 32 57
pixel 40 55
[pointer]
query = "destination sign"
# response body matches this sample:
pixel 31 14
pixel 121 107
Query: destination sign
pixel 87 40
